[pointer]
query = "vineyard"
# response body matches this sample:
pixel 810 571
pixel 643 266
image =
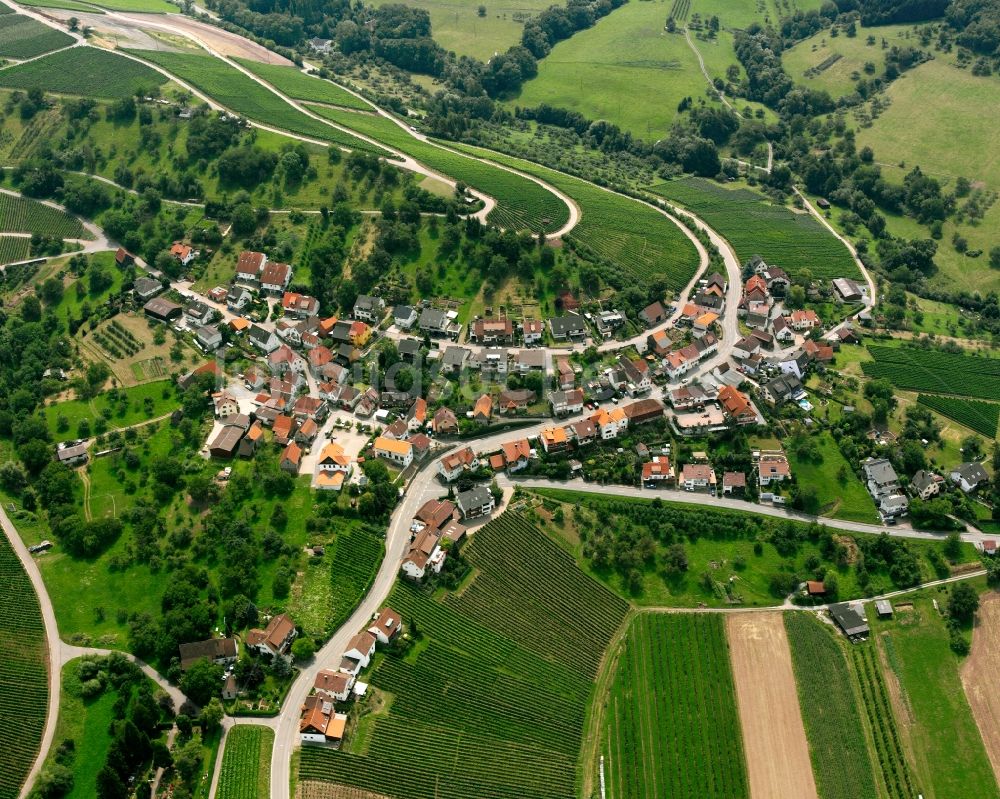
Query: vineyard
pixel 510 704
pixel 86 71
pixel 618 230
pixel 974 414
pixel 246 763
pixel 522 204
pixel 23 37
pixel 289 81
pixel 935 371
pixel 754 226
pixel 23 676
pixel 837 746
pixel 356 558
pixel 23 215
pixel 243 95
pixel 892 762
pixel 116 341
pixel 13 249
pixel 672 727
pixel 679 10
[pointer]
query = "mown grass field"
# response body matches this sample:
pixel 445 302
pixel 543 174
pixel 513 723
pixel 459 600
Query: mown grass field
pixel 23 37
pixel 522 204
pixel 23 673
pixel 949 760
pixel 511 687
pixel 672 727
pixel 243 95
pixel 626 69
pixel 935 371
pixel 755 226
pixel 246 763
pixel 146 6
pixel 838 741
pixel 86 71
pixel 628 234
pixel 24 215
pixel 292 82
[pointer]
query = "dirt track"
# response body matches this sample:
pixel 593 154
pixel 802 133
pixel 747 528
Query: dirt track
pixel 979 678
pixel 773 736
pixel 222 41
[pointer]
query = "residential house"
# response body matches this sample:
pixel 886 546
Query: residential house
pixel 796 363
pixel 566 402
pixel 777 280
pixel 736 406
pixel 454 359
pixel 409 349
pixel 637 374
pixel 435 513
pixel 238 299
pixel 285 359
pixel 532 332
pixel 571 327
pixel 969 476
pixel 275 639
pixel 404 316
pixel 781 389
pixel 554 439
pixel 183 253
pixel 433 321
pixel 925 484
pixel 320 46
pixel 610 423
pixel 657 471
pixel 492 331
pixel 398 452
pixel 444 422
pixel 198 313
pixel 145 288
pixel 424 553
pixel 482 411
pixel 745 347
pixel 782 330
pixel 475 503
pixel 225 405
pixel 221 651
pixel 565 375
pixel 264 340
pixel 883 485
pixel 368 308
pixel 688 398
pixel 308 407
pixel 274 278
pixel 703 323
pixel 358 654
pixel 734 483
pixel 291 458
pixel 335 683
pixel 319 723
pixel 698 477
pixel 209 338
pixel 516 454
pixel 249 267
pixel 804 319
pixel 773 467
pixel 653 314
pixel 387 626
pixel 526 361
pixel 516 399
pixel 359 334
pixel 607 322
pixel 416 416
pixel 299 306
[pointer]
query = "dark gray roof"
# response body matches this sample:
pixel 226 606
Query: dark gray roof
pixel 922 479
pixel 473 498
pixel 433 318
pixel 259 334
pixel 849 619
pixel 566 325
pixel 409 346
pixel 880 472
pixel 972 472
pixel 454 356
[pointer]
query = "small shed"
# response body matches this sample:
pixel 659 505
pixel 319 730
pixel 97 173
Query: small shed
pixel 883 607
pixel 816 588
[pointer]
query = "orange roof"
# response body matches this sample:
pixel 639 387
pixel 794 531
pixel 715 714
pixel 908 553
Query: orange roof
pixel 484 406
pixel 326 325
pixel 690 309
pixel 706 319
pixel 513 450
pixel 554 435
pixel 239 324
pixel 334 453
pixel 337 725
pixel 393 446
pixel 282 425
pixel 292 454
pixel 496 462
pixel 331 479
pixel 255 431
pixel 734 401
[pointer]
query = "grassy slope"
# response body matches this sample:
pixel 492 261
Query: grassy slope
pixel 626 69
pixel 949 759
pixel 848 500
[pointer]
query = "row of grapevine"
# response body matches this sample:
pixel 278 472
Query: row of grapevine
pixel 891 761
pixel 935 371
pixel 23 215
pixel 14 249
pixel 86 71
pixel 974 414
pixel 246 763
pixel 833 721
pixel 23 674
pixel 356 560
pixel 23 37
pixel 672 727
pixel 503 709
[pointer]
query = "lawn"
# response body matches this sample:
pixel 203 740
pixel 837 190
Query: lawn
pixel 831 712
pixel 86 71
pixel 504 672
pixel 24 215
pixel 246 763
pixel 628 235
pixel 753 225
pixel 672 727
pixel 23 673
pixel 839 492
pixel 626 69
pixel 23 37
pixel 948 755
pixel 119 408
pixel 292 82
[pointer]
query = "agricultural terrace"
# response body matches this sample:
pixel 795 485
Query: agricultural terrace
pixel 246 763
pixel 70 5
pixel 85 71
pixel 755 226
pixel 625 69
pixel 511 690
pixel 982 417
pixel 671 726
pixel 144 6
pixel 948 756
pixel 24 215
pixel 522 204
pixel 13 249
pixel 838 746
pixel 299 86
pixel 934 371
pixel 23 37
pixel 243 95
pixel 23 673
pixel 628 234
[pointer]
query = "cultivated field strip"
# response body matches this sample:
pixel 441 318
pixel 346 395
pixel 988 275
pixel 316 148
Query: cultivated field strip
pixel 671 726
pixel 621 231
pixel 13 249
pixel 356 559
pixel 475 711
pixel 243 95
pixel 85 71
pixel 979 676
pixel 982 417
pixel 23 215
pixel 308 88
pixel 935 371
pixel 522 204
pixel 246 763
pixel 24 687
pixel 830 711
pixel 23 37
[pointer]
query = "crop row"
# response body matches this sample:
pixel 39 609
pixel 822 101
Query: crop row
pixel 679 10
pixel 23 674
pixel 299 86
pixel 935 371
pixel 620 231
pixel 243 95
pixel 756 226
pixel 891 761
pixel 85 71
pixel 522 204
pixel 672 726
pixel 974 414
pixel 23 215
pixel 246 763
pixel 14 249
pixel 833 722
pixel 357 557
pixel 23 37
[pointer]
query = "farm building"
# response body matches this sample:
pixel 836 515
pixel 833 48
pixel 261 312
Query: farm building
pixel 883 607
pixel 849 618
pixel 162 309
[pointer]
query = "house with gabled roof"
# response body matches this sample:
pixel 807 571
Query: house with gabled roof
pixel 249 266
pixel 451 466
pixel 275 638
pixel 274 278
pixel 516 454
pixel 291 458
pixel 482 411
pixel 387 626
pixel 444 422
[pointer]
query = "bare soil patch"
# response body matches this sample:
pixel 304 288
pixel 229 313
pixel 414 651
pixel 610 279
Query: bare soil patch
pixel 774 738
pixel 314 789
pixel 222 41
pixel 979 677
